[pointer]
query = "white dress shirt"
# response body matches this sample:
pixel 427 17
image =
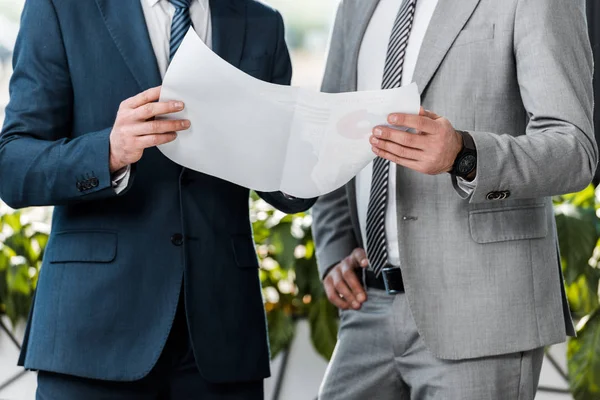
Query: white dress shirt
pixel 371 64
pixel 158 15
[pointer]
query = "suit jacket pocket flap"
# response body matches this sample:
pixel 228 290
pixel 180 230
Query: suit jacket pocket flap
pixel 511 223
pixel 244 252
pixel 82 247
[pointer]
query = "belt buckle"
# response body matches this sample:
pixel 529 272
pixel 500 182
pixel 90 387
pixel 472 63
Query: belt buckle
pixel 389 275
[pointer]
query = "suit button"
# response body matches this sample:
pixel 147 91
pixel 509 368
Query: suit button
pixel 177 239
pixel 502 195
pixel 494 196
pixel 94 182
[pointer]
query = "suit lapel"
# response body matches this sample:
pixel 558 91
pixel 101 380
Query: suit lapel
pixel 127 25
pixel 228 19
pixel 448 20
pixel 363 15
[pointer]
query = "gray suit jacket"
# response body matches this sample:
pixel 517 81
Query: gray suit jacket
pixel 482 272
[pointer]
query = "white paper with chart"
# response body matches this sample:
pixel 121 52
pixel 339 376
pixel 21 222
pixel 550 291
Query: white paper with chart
pixel 269 137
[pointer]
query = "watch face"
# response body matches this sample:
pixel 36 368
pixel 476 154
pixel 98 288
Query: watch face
pixel 467 164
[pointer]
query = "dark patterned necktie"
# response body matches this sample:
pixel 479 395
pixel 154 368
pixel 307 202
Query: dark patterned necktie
pixel 180 25
pixel 392 78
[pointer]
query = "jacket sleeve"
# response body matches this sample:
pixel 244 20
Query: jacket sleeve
pixel 332 224
pixel 40 163
pixel 558 154
pixel 282 75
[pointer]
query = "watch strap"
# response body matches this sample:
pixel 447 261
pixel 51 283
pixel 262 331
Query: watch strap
pixel 468 141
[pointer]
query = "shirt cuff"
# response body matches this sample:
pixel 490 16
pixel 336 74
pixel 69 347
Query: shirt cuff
pixel 467 186
pixel 120 179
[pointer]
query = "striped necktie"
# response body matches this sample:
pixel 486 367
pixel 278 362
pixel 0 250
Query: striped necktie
pixel 180 25
pixel 392 78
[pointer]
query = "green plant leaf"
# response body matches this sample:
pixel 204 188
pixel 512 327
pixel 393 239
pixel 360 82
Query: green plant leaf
pixel 281 330
pixel 583 295
pixel 577 237
pixel 18 276
pixel 323 318
pixel 584 199
pixel 19 308
pixel 3 291
pixel 11 310
pixel 307 278
pixel 18 280
pixel 285 244
pixel 584 360
pixel 42 240
pixel 4 261
pixel 13 220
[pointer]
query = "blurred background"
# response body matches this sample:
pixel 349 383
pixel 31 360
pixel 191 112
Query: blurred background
pixel 302 324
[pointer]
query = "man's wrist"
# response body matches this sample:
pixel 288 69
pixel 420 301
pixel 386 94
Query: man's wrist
pixel 115 165
pixel 459 144
pixel 460 147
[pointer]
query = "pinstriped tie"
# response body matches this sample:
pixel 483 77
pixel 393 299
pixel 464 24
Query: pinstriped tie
pixel 180 25
pixel 392 78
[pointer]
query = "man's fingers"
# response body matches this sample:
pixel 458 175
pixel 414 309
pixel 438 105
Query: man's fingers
pixel 358 293
pixel 151 110
pixel 403 138
pixel 429 114
pixel 334 296
pixel 417 122
pixel 148 141
pixel 360 256
pixel 157 126
pixel 145 97
pixel 339 282
pixel 398 150
pixel 342 285
pixel 411 164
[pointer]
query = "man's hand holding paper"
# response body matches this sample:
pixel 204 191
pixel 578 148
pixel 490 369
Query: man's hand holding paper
pixel 136 130
pixel 431 151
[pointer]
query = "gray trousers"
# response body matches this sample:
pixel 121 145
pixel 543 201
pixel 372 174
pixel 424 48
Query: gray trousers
pixel 380 356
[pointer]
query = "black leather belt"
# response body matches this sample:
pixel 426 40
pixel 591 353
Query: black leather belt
pixel 390 280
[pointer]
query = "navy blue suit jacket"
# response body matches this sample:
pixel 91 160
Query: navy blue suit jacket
pixel 114 264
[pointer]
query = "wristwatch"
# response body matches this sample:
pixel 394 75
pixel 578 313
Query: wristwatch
pixel 466 161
